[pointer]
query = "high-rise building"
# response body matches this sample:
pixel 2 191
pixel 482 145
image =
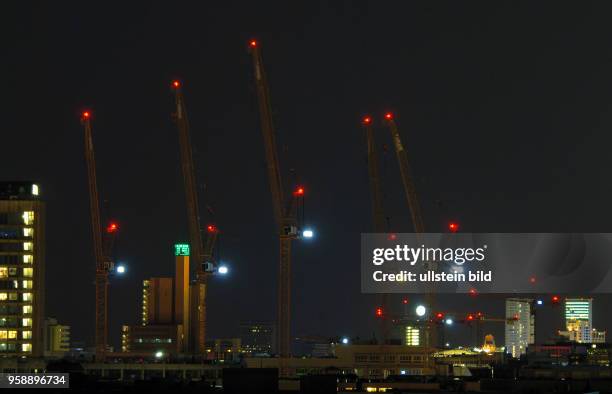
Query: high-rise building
pixel 181 292
pixel 412 335
pixel 157 301
pixel 22 269
pixel 520 325
pixel 579 319
pixel 258 337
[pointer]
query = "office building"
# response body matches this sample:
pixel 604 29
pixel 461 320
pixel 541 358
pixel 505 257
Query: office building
pixel 519 325
pixel 579 319
pixel 157 301
pixel 412 335
pixel 258 337
pixel 22 269
pixel 149 340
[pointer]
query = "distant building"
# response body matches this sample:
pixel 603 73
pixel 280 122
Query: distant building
pixel 22 269
pixel 258 337
pixel 57 338
pixel 413 335
pixel 519 326
pixel 598 336
pixel 151 339
pixel 224 349
pixel 157 301
pixel 182 310
pixel 579 320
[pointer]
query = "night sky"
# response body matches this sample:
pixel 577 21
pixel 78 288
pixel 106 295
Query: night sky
pixel 505 110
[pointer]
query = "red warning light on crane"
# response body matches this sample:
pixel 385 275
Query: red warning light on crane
pixel 470 317
pixel 453 227
pixel 176 84
pixel 473 292
pixel 367 120
pixel 211 228
pixel 86 115
pixel 555 299
pixel 440 315
pixel 253 43
pixel 112 227
pixel 405 301
pixel 389 116
pixel 299 191
pixel 379 311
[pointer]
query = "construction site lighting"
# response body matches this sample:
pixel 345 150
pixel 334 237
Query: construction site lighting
pixel 420 310
pixel 176 84
pixel 449 322
pixel 308 233
pixel 121 269
pixel 223 270
pixel 253 43
pixel 345 340
pixel 367 120
pixel 389 116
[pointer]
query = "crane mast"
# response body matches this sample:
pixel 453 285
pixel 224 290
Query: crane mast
pixel 284 212
pixel 201 252
pixel 103 263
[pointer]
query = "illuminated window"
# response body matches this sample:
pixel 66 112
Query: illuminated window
pixel 28 258
pixel 26 347
pixel 3 296
pixel 12 271
pixel 34 189
pixel 28 272
pixel 3 334
pixel 27 284
pixel 27 309
pixel 26 334
pixel 3 272
pixel 27 296
pixel 15 284
pixel 13 297
pixel 12 334
pixel 28 217
pixel 28 246
pixel 28 232
pixel 26 322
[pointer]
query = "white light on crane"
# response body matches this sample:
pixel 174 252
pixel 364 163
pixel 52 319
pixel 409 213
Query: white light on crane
pixel 345 340
pixel 449 322
pixel 420 310
pixel 121 269
pixel 223 270
pixel 308 233
pixel 159 354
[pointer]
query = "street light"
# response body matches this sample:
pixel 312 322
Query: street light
pixel 420 310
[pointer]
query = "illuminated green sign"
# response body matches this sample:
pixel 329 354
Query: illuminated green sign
pixel 181 249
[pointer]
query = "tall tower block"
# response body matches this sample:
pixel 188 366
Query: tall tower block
pixel 181 291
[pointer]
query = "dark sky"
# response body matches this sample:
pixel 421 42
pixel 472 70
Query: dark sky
pixel 505 110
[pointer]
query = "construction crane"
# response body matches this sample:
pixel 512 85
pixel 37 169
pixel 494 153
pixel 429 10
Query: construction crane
pixel 285 212
pixel 203 253
pixel 102 244
pixel 378 213
pixel 413 205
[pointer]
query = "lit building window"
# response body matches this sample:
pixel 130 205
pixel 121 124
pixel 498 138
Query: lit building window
pixel 12 334
pixel 27 284
pixel 12 271
pixel 28 272
pixel 28 217
pixel 26 322
pixel 26 334
pixel 15 284
pixel 34 189
pixel 27 296
pixel 28 258
pixel 3 334
pixel 12 296
pixel 27 246
pixel 28 232
pixel 26 347
pixel 27 309
pixel 3 272
pixel 3 296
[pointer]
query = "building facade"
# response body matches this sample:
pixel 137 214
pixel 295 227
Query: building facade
pixel 22 269
pixel 579 319
pixel 57 338
pixel 157 301
pixel 258 337
pixel 519 325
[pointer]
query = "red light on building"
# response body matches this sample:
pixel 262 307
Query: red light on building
pixel 211 228
pixel 473 292
pixel 389 116
pixel 299 191
pixel 532 279
pixel 112 227
pixel 555 299
pixel 86 115
pixel 405 301
pixel 367 120
pixel 453 227
pixel 392 237
pixel 253 43
pixel 440 315
pixel 176 84
pixel 470 317
pixel 379 311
